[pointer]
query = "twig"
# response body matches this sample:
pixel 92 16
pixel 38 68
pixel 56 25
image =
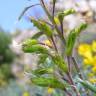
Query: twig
pixel 54 3
pixel 53 21
pixel 69 65
pixel 54 44
pixel 45 44
pixel 70 77
pixel 77 67
pixel 72 82
pixel 27 8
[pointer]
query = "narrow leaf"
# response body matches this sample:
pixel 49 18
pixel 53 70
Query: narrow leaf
pixel 41 71
pixel 42 58
pixel 49 82
pixel 34 49
pixel 37 35
pixel 42 26
pixel 87 85
pixel 30 42
pixel 72 38
pixel 61 15
pixel 60 63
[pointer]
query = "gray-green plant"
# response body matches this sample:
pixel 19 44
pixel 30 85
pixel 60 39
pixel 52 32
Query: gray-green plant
pixel 59 74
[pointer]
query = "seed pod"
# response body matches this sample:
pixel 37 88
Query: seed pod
pixel 30 42
pixel 34 49
pixel 42 26
pixel 61 15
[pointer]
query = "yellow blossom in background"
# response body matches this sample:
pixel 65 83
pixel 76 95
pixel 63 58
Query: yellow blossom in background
pixel 47 42
pixel 85 50
pixel 94 46
pixel 88 61
pixel 88 52
pixel 93 80
pixel 26 93
pixel 94 69
pixel 94 60
pixel 50 90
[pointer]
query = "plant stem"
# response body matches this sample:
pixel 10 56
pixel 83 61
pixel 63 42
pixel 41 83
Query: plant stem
pixel 73 85
pixel 61 23
pixel 67 92
pixel 70 76
pixel 69 65
pixel 77 67
pixel 54 44
pixel 26 10
pixel 78 70
pixel 54 2
pixel 45 45
pixel 53 21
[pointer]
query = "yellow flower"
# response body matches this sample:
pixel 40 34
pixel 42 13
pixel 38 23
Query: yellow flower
pixel 94 60
pixel 94 46
pixel 47 42
pixel 26 94
pixel 88 61
pixel 50 90
pixel 92 80
pixel 85 50
pixel 94 69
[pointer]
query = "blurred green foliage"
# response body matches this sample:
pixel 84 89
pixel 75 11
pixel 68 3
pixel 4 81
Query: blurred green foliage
pixel 6 57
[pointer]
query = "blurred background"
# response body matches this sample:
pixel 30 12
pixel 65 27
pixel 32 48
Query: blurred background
pixel 14 81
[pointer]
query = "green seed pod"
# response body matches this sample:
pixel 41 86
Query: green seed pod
pixel 61 15
pixel 30 42
pixel 34 49
pixel 42 26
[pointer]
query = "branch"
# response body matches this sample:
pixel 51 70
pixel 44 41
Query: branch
pixel 27 8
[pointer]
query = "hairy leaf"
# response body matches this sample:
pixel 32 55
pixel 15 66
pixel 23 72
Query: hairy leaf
pixel 60 63
pixel 34 49
pixel 42 58
pixel 37 35
pixel 42 71
pixel 61 15
pixel 72 38
pixel 88 85
pixel 30 42
pixel 42 26
pixel 49 82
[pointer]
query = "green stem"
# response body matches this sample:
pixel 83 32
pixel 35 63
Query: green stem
pixel 53 21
